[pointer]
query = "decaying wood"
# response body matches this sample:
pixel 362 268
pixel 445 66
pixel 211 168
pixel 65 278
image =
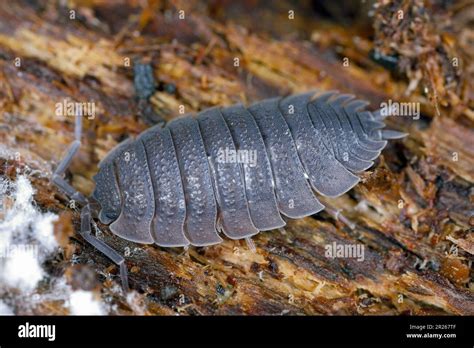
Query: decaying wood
pixel 411 208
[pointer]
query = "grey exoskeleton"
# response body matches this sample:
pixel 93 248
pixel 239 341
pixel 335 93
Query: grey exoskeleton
pixel 191 180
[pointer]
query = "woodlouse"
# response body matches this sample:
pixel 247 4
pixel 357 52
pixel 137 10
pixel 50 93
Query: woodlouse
pixel 170 186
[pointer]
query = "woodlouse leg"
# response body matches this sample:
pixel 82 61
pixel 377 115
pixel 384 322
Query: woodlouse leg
pixel 251 244
pixel 336 215
pixel 112 254
pixel 57 178
pixel 72 193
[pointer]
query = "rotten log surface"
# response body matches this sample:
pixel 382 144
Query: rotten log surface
pixel 411 208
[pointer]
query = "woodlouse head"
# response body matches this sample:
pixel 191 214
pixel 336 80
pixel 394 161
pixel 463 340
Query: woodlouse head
pixel 106 193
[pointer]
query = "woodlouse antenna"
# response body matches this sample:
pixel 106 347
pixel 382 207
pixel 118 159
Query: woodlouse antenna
pixel 73 194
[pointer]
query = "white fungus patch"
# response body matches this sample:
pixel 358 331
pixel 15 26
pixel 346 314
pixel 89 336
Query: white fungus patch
pixel 21 270
pixel 26 241
pixel 44 231
pixel 83 303
pixel 135 303
pixel 4 309
pixel 26 237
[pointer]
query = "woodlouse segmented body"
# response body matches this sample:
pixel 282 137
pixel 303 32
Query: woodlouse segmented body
pixel 174 186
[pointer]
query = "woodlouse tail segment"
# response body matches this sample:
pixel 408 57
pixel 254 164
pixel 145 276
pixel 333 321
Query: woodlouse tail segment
pixel 292 191
pixel 389 134
pixel 377 118
pixel 355 105
pixel 72 193
pixel 374 127
pixel 343 149
pixel 324 172
pixel 377 115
